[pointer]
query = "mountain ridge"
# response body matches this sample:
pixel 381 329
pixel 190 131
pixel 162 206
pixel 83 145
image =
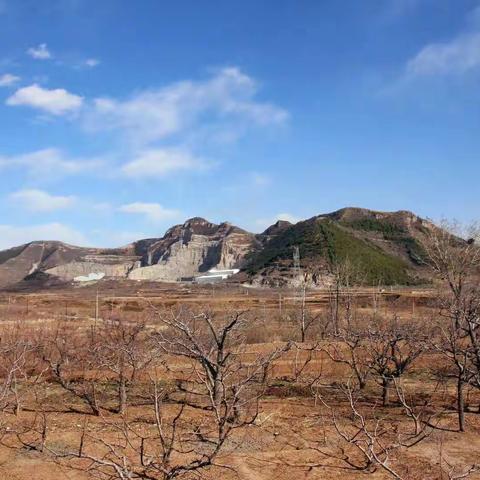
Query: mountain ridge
pixel 387 244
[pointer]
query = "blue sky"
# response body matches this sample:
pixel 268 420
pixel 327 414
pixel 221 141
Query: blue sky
pixel 119 119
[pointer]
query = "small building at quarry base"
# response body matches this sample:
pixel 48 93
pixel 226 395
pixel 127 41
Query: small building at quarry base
pixel 214 275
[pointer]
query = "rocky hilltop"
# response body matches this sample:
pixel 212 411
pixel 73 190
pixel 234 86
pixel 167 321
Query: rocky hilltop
pixel 192 248
pixel 183 252
pixel 384 247
pixel 63 261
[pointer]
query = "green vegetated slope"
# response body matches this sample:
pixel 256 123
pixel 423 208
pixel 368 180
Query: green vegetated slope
pixel 394 233
pixel 323 241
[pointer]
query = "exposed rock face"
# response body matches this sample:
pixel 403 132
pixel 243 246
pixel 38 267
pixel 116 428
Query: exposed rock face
pixel 192 248
pixel 63 261
pixel 16 263
pixel 184 251
pixel 71 270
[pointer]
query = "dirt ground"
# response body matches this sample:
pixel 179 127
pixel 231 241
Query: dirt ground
pixel 279 445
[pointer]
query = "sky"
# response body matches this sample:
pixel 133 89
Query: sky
pixel 119 119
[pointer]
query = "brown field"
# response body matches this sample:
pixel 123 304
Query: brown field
pixel 299 396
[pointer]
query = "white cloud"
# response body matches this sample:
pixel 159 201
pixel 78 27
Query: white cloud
pixel 40 52
pixel 11 236
pixel 49 163
pixel 160 162
pixel 40 201
pixel 153 211
pixel 7 80
pixel 152 115
pixel 57 102
pixel 458 56
pixel 91 62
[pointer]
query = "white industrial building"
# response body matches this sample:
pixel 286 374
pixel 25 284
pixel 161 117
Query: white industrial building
pixel 214 275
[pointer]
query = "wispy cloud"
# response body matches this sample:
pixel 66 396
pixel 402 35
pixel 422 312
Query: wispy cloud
pixel 41 52
pixel 7 80
pixel 91 62
pixel 11 235
pixel 152 211
pixel 156 114
pixel 50 163
pixel 56 102
pixel 160 162
pixel 81 64
pixel 166 127
pixel 41 201
pixel 456 56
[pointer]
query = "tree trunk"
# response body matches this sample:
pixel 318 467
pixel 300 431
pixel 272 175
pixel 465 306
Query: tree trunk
pixel 92 400
pixel 385 388
pixel 361 382
pixel 337 302
pixel 460 406
pixel 122 395
pixel 18 406
pixel 122 387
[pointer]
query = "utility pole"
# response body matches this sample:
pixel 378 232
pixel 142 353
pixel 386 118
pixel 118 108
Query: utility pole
pixel 96 310
pixel 296 261
pixel 297 272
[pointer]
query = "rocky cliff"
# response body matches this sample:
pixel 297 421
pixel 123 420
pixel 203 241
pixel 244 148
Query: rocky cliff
pixel 192 248
pixel 183 252
pixel 63 261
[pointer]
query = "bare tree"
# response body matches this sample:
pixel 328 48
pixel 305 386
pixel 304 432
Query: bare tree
pixel 360 437
pixel 343 275
pixel 13 352
pixel 124 351
pixel 301 314
pixel 350 348
pixel 392 349
pixel 215 392
pixel 19 370
pixel 73 361
pixel 454 255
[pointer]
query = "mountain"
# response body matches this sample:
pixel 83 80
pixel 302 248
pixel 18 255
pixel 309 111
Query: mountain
pixel 192 248
pixel 63 261
pixel 183 252
pixel 383 247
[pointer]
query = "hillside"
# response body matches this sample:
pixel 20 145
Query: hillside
pixel 383 248
pixel 183 252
